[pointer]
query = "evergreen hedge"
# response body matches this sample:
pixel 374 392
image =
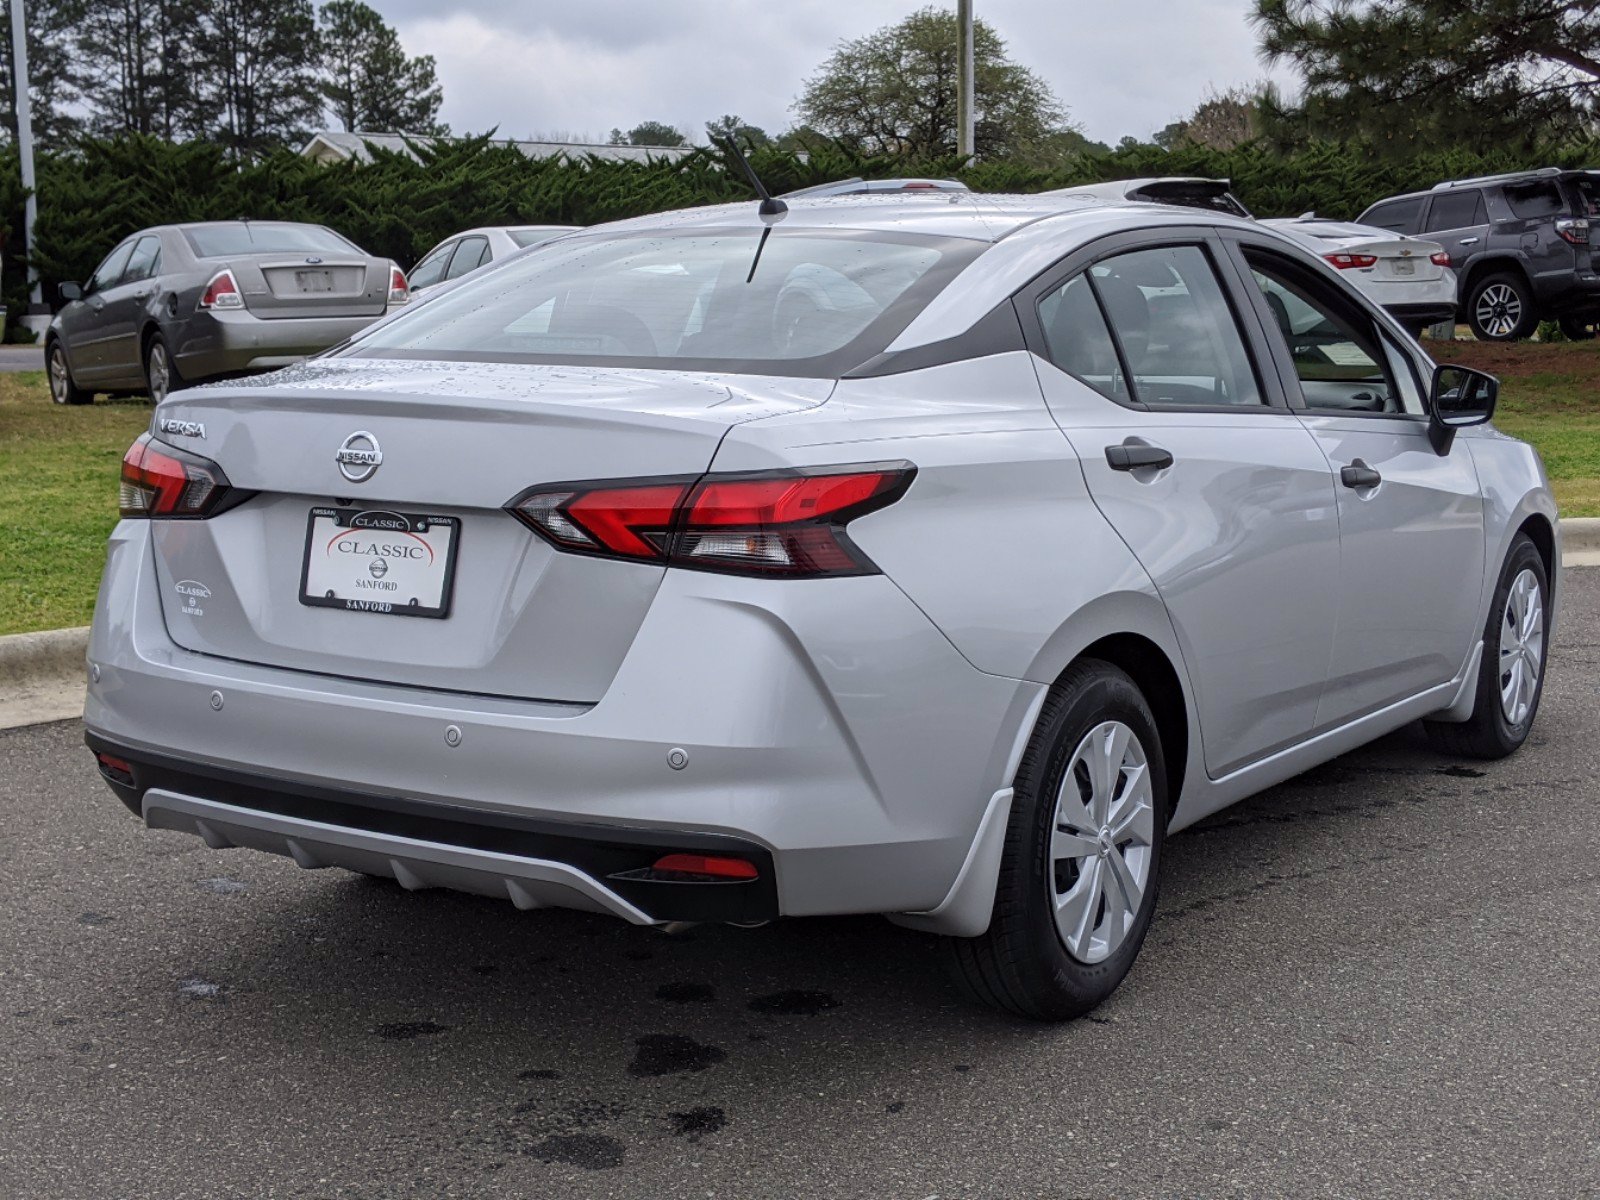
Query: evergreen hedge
pixel 97 192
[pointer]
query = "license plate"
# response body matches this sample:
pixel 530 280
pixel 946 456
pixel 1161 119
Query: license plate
pixel 378 561
pixel 1405 266
pixel 314 281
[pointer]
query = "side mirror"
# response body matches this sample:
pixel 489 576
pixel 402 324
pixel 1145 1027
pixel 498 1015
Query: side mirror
pixel 1460 397
pixel 71 291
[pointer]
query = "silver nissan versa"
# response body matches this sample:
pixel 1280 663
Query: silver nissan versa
pixel 928 555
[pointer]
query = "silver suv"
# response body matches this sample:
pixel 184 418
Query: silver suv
pixel 933 556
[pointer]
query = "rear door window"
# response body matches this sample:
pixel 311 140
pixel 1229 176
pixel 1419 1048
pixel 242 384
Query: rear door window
pixel 1457 210
pixel 471 253
pixel 1400 216
pixel 145 260
pixel 1078 340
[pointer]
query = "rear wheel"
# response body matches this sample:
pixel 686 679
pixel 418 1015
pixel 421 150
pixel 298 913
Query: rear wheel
pixel 1511 672
pixel 1078 879
pixel 1500 308
pixel 62 389
pixel 160 372
pixel 1578 328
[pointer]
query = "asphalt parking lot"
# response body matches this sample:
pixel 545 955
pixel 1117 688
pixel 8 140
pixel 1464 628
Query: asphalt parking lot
pixel 1379 979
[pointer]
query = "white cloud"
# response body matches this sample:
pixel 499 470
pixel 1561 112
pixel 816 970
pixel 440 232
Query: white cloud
pixel 576 69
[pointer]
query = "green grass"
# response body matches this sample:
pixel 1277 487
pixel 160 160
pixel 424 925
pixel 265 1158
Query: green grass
pixel 58 494
pixel 59 466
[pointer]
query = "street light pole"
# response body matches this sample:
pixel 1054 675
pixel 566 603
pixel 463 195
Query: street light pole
pixel 966 121
pixel 24 102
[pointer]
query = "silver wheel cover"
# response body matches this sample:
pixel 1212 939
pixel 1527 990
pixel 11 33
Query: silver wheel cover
pixel 160 376
pixel 1521 647
pixel 59 381
pixel 1101 842
pixel 1498 311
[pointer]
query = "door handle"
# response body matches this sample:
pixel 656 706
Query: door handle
pixel 1469 241
pixel 1359 475
pixel 1132 455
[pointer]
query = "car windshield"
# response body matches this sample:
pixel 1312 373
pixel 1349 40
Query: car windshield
pixel 251 237
pixel 806 302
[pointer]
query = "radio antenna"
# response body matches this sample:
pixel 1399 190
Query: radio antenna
pixel 770 206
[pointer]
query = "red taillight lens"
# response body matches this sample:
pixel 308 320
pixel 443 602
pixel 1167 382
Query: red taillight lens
pixel 1441 259
pixel 159 480
pixel 1346 261
pixel 705 865
pixel 399 292
pixel 787 523
pixel 222 292
pixel 1574 230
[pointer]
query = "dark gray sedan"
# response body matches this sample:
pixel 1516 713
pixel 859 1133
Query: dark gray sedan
pixel 178 304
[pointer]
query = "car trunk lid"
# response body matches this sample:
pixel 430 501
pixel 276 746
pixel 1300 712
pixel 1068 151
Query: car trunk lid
pixel 446 446
pixel 312 285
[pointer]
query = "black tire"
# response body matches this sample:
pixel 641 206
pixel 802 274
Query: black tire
pixel 158 365
pixel 59 374
pixel 1500 308
pixel 1021 964
pixel 1578 329
pixel 1491 733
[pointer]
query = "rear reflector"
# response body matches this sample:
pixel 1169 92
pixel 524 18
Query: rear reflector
pixel 118 769
pixel 783 523
pixel 707 865
pixel 222 292
pixel 159 480
pixel 1346 261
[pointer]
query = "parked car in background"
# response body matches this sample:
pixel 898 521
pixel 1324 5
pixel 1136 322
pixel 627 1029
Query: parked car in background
pixel 178 304
pixel 894 556
pixel 472 248
pixel 1409 277
pixel 1519 244
pixel 1184 191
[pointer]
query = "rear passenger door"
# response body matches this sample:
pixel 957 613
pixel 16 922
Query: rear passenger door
pixel 1197 462
pixel 1459 221
pixel 1411 551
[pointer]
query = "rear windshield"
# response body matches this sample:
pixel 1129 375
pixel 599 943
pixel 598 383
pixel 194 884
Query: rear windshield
pixel 252 237
pixel 532 237
pixel 807 302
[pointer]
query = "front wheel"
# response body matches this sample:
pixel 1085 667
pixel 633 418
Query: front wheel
pixel 1511 671
pixel 1500 309
pixel 1078 878
pixel 62 389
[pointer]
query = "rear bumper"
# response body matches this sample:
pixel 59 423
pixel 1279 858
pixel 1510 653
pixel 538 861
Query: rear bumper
pixel 1422 312
pixel 224 343
pixel 827 725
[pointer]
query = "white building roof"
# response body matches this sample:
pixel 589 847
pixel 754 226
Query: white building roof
pixel 330 146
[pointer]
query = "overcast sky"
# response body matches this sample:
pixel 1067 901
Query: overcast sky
pixel 581 67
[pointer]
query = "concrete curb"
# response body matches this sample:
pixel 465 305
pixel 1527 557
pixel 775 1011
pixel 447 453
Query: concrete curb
pixel 42 674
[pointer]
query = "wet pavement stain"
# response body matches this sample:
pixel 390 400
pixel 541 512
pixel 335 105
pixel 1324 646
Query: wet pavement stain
pixel 200 989
pixel 94 918
pixel 404 1031
pixel 895 1106
pixel 794 1003
pixel 686 993
pixel 591 1151
pixel 223 887
pixel 697 1122
pixel 539 1073
pixel 670 1054
pixel 1457 771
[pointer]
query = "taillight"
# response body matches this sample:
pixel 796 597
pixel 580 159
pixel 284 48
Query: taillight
pixel 1574 230
pixel 222 292
pixel 1441 259
pixel 399 293
pixel 159 480
pixel 775 523
pixel 1346 261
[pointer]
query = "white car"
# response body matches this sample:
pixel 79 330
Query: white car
pixel 472 248
pixel 1408 276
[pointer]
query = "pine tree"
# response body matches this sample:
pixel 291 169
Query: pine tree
pixel 255 64
pixel 368 81
pixel 133 56
pixel 1480 74
pixel 53 74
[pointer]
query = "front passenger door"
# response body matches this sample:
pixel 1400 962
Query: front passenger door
pixel 1411 544
pixel 122 302
pixel 1212 482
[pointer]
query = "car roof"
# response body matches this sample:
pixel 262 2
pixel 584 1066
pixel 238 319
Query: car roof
pixel 977 216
